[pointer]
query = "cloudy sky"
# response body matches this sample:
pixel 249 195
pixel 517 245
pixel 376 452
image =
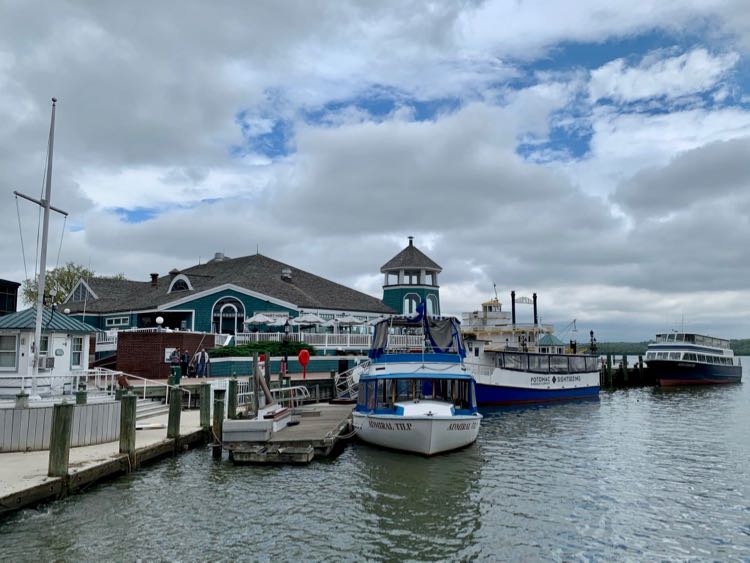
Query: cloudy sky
pixel 599 156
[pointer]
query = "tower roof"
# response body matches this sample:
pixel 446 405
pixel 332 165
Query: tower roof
pixel 410 258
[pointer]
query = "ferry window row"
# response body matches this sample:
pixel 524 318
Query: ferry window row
pixel 383 394
pixel 690 357
pixel 547 363
pixel 698 339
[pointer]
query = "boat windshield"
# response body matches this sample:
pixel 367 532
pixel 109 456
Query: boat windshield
pixel 382 394
pixel 417 334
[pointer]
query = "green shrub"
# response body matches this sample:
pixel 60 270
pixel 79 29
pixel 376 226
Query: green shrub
pixel 269 348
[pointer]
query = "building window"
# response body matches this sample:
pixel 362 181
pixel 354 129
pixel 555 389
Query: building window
pixel 179 285
pixel 228 315
pixel 76 356
pixel 44 348
pixel 411 300
pixel 8 352
pixel 81 293
pixel 117 321
pixel 432 305
pixel 411 277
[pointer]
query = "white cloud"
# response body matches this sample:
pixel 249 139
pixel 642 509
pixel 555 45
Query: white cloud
pixel 692 72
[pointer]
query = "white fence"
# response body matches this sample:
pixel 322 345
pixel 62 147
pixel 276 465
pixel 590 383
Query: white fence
pixel 327 340
pixel 29 429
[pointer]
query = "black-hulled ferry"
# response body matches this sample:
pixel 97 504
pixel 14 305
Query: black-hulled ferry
pixel 692 359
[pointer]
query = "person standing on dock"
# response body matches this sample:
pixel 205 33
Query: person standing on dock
pixel 184 361
pixel 201 363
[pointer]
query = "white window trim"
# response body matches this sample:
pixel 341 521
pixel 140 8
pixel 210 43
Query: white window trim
pixel 182 277
pixel 117 321
pixel 403 303
pixel 15 352
pixel 73 352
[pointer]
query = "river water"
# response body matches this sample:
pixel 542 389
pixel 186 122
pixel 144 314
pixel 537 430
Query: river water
pixel 637 475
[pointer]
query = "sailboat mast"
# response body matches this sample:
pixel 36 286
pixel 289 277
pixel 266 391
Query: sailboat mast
pixel 43 255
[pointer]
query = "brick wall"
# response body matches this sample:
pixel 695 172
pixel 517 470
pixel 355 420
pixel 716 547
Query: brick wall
pixel 142 353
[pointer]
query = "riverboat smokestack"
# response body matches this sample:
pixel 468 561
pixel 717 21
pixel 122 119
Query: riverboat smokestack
pixel 513 306
pixel 536 319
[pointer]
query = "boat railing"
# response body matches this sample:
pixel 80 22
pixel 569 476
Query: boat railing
pixel 479 369
pixel 290 397
pixel 346 383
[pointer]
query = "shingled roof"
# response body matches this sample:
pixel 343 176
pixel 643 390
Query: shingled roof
pixel 410 258
pixel 255 273
pixel 52 321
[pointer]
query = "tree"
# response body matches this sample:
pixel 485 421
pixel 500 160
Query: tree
pixel 60 281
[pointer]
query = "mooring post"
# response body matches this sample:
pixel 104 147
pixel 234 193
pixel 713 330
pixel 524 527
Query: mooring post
pixel 254 380
pixel 127 426
pixel 640 370
pixel 232 399
pixel 624 370
pixel 81 397
pixel 175 408
pixel 118 394
pixel 205 406
pixel 59 443
pixel 218 421
pixel 268 369
pixel 609 370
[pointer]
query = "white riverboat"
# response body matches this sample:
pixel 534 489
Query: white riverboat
pixel 516 363
pixel 419 400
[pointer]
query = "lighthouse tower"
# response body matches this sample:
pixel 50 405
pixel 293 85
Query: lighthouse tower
pixel 411 277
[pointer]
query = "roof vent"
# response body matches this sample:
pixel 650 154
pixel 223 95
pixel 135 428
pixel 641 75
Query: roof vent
pixel 219 256
pixel 154 278
pixel 411 241
pixel 286 274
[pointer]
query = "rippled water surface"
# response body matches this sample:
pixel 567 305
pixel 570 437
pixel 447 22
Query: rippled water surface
pixel 643 475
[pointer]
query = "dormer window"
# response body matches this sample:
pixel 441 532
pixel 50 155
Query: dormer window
pixel 180 282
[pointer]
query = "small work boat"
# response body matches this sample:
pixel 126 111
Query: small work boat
pixel 692 359
pixel 419 400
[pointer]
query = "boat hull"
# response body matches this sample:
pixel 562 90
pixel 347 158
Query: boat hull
pixel 423 435
pixel 507 387
pixel 673 373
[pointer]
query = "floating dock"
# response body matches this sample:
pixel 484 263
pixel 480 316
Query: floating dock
pixel 316 431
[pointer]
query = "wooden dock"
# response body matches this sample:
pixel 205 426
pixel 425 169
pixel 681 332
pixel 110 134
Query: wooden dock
pixel 320 430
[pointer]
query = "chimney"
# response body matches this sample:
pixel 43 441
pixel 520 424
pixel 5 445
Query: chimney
pixel 536 319
pixel 154 277
pixel 286 274
pixel 411 241
pixel 218 256
pixel 513 306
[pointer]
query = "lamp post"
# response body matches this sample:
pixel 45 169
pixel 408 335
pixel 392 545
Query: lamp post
pixel 593 342
pixel 285 346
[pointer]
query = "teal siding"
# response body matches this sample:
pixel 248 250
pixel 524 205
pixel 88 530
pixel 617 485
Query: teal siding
pixel 394 297
pixel 92 320
pixel 202 307
pixel 242 367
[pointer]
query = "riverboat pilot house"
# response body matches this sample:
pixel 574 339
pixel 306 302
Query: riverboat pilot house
pixel 217 296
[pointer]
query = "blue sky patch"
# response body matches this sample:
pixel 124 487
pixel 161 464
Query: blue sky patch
pixel 137 215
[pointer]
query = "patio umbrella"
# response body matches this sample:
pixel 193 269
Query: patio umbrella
pixel 279 321
pixel 259 319
pixel 348 320
pixel 308 319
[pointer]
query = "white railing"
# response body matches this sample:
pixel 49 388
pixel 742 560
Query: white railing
pixel 327 340
pixel 479 369
pixel 347 383
pixel 286 396
pixel 107 379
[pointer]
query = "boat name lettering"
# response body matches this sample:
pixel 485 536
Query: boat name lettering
pixel 382 425
pixel 540 380
pixel 566 378
pixel 460 426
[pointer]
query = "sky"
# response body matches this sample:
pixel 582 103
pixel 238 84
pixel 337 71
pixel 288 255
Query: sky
pixel 597 154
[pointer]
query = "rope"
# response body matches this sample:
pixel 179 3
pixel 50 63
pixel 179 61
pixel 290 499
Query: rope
pixel 59 248
pixel 20 232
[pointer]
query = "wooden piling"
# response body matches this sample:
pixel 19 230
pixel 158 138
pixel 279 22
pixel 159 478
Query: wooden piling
pixel 624 370
pixel 81 397
pixel 254 383
pixel 175 408
pixel 641 379
pixel 59 444
pixel 205 399
pixel 232 399
pixel 218 421
pixel 268 369
pixel 609 371
pixel 127 426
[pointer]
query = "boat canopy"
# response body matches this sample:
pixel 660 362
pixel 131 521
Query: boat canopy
pixel 441 335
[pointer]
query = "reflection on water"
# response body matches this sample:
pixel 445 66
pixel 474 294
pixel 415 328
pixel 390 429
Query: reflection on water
pixel 645 474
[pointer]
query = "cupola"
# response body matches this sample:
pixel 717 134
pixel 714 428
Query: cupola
pixel 410 277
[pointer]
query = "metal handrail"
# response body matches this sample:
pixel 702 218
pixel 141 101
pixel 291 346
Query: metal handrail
pixel 345 383
pixel 115 374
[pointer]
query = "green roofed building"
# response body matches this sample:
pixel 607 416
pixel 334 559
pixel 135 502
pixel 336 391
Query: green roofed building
pixel 550 344
pixel 411 277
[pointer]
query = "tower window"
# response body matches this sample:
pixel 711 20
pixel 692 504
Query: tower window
pixel 411 301
pixel 411 277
